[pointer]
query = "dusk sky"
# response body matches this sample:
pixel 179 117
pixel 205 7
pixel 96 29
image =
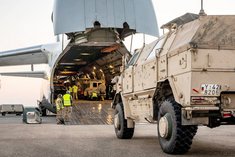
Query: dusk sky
pixel 26 23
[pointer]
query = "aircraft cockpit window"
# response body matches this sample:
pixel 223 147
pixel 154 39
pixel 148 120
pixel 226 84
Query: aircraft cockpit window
pixel 158 46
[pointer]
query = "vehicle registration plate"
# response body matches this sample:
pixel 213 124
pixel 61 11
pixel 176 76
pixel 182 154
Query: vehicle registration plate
pixel 211 89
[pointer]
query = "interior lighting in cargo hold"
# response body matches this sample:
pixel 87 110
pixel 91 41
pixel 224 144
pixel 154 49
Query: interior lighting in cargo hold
pixel 67 63
pixel 67 73
pixel 69 67
pixel 111 66
pixel 78 59
pixel 85 54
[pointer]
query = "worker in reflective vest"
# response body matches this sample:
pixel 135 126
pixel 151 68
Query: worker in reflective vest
pixel 70 90
pixel 59 109
pixel 94 95
pixel 75 92
pixel 67 100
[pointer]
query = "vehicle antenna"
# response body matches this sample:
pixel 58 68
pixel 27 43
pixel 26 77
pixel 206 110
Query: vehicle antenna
pixel 143 40
pixel 131 42
pixel 202 12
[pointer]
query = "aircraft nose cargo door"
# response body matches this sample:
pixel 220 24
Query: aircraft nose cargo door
pixel 79 15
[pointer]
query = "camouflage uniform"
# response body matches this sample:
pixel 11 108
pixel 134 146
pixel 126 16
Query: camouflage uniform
pixel 59 110
pixel 102 91
pixel 67 111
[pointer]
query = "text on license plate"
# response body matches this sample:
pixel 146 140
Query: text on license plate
pixel 211 89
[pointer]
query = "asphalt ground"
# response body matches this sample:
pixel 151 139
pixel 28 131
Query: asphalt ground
pixel 50 140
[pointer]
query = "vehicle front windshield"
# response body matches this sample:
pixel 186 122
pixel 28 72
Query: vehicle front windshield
pixel 158 46
pixel 133 59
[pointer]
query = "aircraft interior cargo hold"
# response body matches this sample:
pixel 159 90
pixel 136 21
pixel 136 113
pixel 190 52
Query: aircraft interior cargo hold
pixel 87 67
pixel 91 66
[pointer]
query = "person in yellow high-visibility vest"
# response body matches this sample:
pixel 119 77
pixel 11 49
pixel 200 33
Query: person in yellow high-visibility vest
pixel 59 109
pixel 75 92
pixel 70 89
pixel 68 101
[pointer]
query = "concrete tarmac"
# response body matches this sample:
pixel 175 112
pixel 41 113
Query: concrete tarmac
pixel 51 140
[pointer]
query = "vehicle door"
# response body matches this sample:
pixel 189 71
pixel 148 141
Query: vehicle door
pixel 150 67
pixel 128 74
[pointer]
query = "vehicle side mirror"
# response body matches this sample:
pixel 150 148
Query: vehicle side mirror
pixel 121 69
pixel 157 53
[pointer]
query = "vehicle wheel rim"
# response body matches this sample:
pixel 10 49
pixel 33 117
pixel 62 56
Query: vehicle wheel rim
pixel 165 126
pixel 117 121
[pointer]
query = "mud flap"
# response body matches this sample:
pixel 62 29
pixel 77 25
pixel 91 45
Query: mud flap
pixel 130 123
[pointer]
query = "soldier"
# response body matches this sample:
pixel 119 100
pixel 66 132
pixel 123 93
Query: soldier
pixel 94 95
pixel 67 99
pixel 102 91
pixel 59 109
pixel 70 89
pixel 114 82
pixel 75 92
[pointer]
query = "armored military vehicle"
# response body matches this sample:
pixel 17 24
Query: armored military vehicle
pixel 92 86
pixel 182 80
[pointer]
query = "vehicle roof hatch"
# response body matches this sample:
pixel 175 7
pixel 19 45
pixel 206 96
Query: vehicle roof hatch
pixel 186 18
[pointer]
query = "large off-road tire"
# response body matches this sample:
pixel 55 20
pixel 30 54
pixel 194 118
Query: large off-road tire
pixel 173 137
pixel 120 124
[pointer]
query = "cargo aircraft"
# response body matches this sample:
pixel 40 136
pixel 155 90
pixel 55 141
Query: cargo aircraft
pixel 95 31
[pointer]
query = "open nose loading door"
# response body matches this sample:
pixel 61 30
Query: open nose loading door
pixel 96 29
pixel 125 16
